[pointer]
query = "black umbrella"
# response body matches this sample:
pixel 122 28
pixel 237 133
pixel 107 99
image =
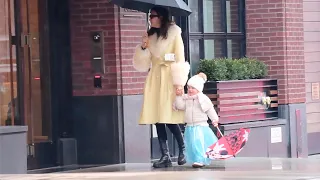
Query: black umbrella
pixel 176 7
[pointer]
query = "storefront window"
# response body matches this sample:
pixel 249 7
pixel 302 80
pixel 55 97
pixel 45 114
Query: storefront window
pixel 194 54
pixel 8 78
pixel 212 16
pixel 194 16
pixel 216 29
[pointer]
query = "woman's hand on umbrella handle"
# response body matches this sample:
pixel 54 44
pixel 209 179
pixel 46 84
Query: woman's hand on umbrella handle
pixel 145 40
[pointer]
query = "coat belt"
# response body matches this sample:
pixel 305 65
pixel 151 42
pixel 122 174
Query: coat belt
pixel 165 96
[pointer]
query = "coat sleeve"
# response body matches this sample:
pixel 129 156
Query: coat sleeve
pixel 212 114
pixel 208 108
pixel 141 59
pixel 180 69
pixel 179 103
pixel 180 73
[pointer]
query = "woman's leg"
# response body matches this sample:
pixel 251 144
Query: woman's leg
pixel 176 131
pixel 165 160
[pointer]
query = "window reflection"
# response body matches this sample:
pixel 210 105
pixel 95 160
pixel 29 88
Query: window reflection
pixel 194 16
pixel 194 55
pixel 216 30
pixel 234 48
pixel 212 16
pixel 213 49
pixel 232 16
pixel 8 81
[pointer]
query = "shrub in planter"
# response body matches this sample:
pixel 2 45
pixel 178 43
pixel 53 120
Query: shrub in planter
pixel 222 69
pixel 236 87
pixel 215 69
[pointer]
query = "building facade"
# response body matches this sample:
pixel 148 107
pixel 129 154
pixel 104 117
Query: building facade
pixel 66 72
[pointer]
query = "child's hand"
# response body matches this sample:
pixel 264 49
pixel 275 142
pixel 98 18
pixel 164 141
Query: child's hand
pixel 179 90
pixel 215 124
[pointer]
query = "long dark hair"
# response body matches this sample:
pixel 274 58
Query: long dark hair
pixel 166 22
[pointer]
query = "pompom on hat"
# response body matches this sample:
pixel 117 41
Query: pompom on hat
pixel 197 81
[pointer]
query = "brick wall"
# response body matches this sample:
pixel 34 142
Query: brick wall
pixel 100 15
pixel 133 26
pixel 275 36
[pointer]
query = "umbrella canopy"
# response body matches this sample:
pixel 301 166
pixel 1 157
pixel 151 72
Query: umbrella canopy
pixel 229 145
pixel 176 7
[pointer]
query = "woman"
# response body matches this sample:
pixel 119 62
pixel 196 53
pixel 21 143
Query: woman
pixel 161 50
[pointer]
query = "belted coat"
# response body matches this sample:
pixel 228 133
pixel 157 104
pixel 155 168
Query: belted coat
pixel 159 90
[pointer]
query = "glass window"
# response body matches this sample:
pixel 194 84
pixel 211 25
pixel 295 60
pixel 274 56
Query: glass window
pixel 234 48
pixel 8 79
pixel 216 29
pixel 232 14
pixel 194 55
pixel 36 90
pixel 213 48
pixel 212 16
pixel 194 16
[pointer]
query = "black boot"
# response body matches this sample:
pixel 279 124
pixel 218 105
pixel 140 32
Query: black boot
pixel 165 160
pixel 181 157
pixel 175 129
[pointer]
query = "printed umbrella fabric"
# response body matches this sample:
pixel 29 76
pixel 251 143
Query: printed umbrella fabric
pixel 229 145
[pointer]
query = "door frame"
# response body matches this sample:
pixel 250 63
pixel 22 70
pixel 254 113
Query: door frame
pixel 40 154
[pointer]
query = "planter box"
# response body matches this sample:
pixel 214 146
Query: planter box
pixel 240 100
pixel 13 149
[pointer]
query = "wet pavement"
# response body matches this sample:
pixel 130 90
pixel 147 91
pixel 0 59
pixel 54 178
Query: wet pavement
pixel 237 168
pixel 235 164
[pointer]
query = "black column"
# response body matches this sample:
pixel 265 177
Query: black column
pixel 60 68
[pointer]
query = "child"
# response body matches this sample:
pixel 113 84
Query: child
pixel 198 107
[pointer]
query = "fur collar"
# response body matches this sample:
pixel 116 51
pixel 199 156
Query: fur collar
pixel 158 46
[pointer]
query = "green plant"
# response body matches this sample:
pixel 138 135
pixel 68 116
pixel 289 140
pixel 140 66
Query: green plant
pixel 215 69
pixel 222 69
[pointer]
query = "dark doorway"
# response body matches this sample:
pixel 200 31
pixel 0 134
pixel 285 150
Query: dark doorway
pixel 44 77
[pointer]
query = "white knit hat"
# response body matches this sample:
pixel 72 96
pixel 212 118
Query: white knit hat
pixel 197 81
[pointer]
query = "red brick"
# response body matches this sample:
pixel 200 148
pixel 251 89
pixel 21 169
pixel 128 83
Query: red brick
pixel 99 15
pixel 275 36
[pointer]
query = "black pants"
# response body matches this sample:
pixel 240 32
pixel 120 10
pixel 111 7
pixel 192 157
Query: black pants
pixel 175 130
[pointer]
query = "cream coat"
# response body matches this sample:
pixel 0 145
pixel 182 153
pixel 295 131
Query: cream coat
pixel 159 92
pixel 197 109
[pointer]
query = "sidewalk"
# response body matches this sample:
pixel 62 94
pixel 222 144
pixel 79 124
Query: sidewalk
pixel 197 175
pixel 237 168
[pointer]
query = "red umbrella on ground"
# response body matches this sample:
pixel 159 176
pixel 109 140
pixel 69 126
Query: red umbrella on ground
pixel 229 145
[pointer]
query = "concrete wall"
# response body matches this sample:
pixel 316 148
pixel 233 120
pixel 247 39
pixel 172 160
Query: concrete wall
pixel 13 150
pixel 311 18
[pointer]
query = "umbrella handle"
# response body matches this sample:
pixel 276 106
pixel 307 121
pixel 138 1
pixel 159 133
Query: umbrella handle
pixel 219 131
